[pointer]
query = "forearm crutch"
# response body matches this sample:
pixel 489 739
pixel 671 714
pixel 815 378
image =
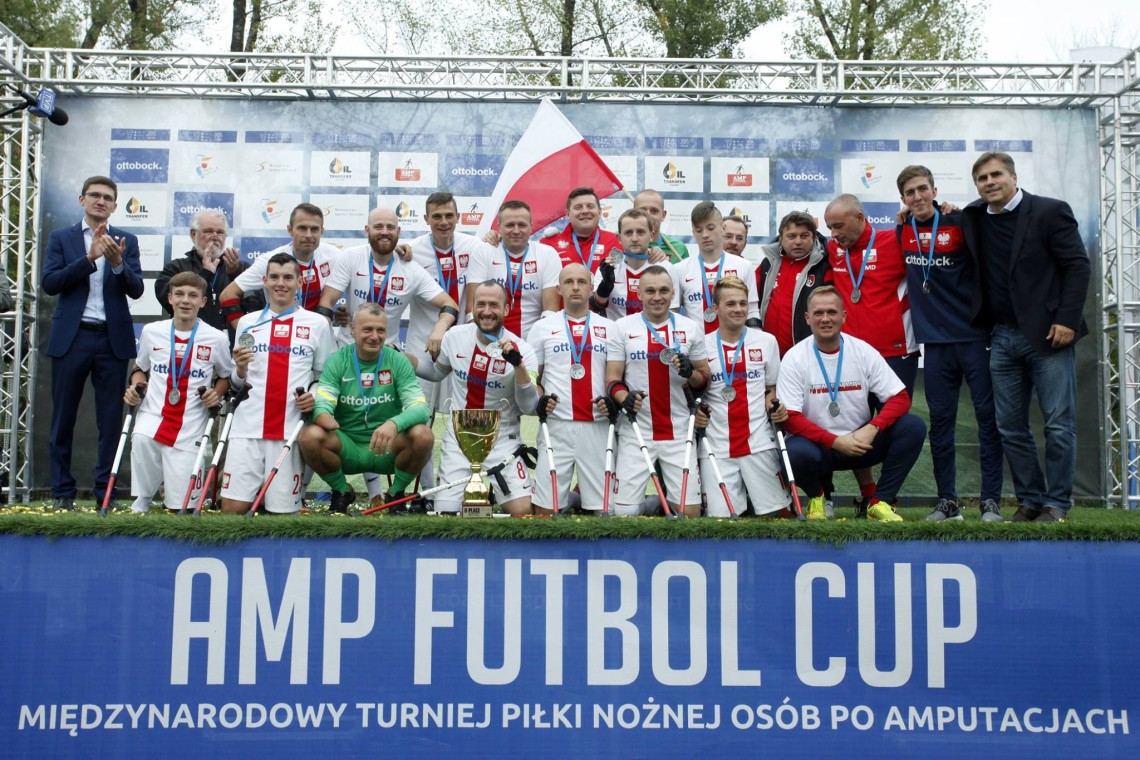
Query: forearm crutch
pixel 787 463
pixel 549 458
pixel 688 454
pixel 128 420
pixel 223 439
pixel 649 462
pixel 702 438
pixel 289 443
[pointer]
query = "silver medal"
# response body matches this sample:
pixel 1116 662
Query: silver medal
pixel 926 286
pixel 246 340
pixel 833 408
pixel 729 393
pixel 666 355
pixel 577 371
pixel 616 257
pixel 494 350
pixel 856 295
pixel 710 315
pixel 174 396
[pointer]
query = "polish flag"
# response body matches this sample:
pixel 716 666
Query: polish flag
pixel 549 161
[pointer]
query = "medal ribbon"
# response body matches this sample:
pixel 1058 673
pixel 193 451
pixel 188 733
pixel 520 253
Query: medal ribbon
pixel 832 390
pixel 514 283
pixel 653 335
pixel 856 284
pixel 264 321
pixel 491 338
pixel 447 282
pixel 360 381
pixel 928 260
pixel 705 279
pixel 383 298
pixel 586 261
pixel 576 350
pixel 730 376
pixel 304 293
pixel 179 369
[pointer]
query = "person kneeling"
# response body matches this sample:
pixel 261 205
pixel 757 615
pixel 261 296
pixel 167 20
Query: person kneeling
pixel 370 414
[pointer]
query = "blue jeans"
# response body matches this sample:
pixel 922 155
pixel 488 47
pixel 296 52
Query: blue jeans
pixel 896 448
pixel 946 366
pixel 1017 370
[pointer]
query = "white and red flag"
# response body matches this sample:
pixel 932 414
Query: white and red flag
pixel 549 161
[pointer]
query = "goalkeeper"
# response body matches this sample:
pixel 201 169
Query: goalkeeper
pixel 370 415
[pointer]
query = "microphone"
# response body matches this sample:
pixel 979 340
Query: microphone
pixel 43 107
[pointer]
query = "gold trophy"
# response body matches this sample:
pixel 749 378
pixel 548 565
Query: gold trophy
pixel 476 431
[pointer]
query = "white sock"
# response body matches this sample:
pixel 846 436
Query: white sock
pixel 141 504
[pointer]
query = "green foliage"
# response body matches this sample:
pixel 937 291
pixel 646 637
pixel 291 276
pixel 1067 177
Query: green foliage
pixel 1086 524
pixel 878 30
pixel 689 29
pixel 43 23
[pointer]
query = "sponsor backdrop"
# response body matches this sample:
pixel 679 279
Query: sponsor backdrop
pixel 174 157
pixel 645 649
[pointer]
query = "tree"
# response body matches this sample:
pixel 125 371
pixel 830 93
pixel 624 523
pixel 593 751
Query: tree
pixel 251 27
pixel 43 23
pixel 691 29
pixel 888 29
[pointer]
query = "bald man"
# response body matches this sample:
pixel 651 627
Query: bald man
pixel 651 202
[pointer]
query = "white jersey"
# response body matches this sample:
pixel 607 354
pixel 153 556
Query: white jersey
pixel 313 274
pixel 396 286
pixel 288 353
pixel 540 269
pixel 802 388
pixel 626 297
pixel 740 427
pixel 466 261
pixel 479 381
pixel 665 404
pixel 693 296
pixel 550 339
pixel 181 424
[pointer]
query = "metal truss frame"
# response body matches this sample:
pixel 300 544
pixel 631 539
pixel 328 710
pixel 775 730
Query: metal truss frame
pixel 1113 90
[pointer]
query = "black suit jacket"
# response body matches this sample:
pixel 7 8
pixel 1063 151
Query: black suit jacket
pixel 1048 270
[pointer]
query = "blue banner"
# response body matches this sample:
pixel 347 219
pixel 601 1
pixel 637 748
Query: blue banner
pixel 125 647
pixel 188 204
pixel 805 176
pixel 140 165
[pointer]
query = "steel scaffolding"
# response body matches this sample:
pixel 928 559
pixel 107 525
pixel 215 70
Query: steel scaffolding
pixel 1113 90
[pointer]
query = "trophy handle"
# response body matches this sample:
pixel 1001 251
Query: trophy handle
pixel 447 404
pixel 505 404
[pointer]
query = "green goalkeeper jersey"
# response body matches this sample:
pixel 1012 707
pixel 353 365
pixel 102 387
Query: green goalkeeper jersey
pixel 363 395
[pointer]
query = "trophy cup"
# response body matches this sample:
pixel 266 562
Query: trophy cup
pixel 476 431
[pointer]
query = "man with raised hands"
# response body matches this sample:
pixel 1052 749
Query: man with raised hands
pixel 616 284
pixel 825 382
pixel 279 349
pixel 698 274
pixel 582 241
pixel 571 347
pixel 176 357
pixel 485 366
pixel 528 270
pixel 652 357
pixel 370 414
pixel 314 259
pixel 745 363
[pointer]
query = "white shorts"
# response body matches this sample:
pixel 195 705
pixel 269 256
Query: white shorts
pixel 248 463
pixel 578 446
pixel 154 464
pixel 454 466
pixel 755 477
pixel 634 476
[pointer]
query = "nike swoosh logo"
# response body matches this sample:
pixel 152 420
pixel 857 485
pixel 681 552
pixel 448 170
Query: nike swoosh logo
pixel 461 356
pixel 690 279
pixel 347 379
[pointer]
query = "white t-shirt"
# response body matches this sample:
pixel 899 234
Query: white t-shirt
pixel 465 262
pixel 179 425
pixel 407 283
pixel 552 346
pixel 313 274
pixel 541 267
pixel 740 427
pixel 625 298
pixel 665 405
pixel 802 388
pixel 479 381
pixel 692 285
pixel 288 353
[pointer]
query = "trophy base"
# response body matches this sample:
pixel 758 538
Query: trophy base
pixel 476 498
pixel 476 510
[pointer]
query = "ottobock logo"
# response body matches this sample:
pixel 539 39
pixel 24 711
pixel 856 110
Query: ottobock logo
pixel 471 171
pixel 805 175
pixel 740 178
pixel 140 165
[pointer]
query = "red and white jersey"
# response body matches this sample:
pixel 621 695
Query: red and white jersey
pixel 802 388
pixel 740 427
pixel 692 285
pixel 480 381
pixel 179 425
pixel 665 405
pixel 540 269
pixel 550 339
pixel 625 298
pixel 313 274
pixel 592 248
pixel 407 283
pixel 288 353
pixel 465 261
pixel 882 315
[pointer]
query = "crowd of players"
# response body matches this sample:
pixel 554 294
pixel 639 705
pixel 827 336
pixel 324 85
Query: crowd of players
pixel 693 358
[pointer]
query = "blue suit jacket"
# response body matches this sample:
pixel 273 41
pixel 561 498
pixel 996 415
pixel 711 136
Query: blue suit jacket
pixel 67 274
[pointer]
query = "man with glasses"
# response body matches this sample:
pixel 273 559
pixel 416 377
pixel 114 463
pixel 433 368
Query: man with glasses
pixel 93 269
pixel 211 260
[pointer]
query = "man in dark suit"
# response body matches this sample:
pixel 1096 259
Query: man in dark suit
pixel 1034 278
pixel 93 268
